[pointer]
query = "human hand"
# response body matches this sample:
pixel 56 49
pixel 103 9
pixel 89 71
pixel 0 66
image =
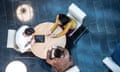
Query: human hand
pixel 48 33
pixel 53 35
pixel 60 64
pixel 32 41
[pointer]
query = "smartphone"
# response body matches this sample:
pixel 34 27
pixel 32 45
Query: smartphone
pixel 40 38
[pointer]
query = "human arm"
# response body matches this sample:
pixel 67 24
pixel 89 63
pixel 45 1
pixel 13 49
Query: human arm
pixel 52 29
pixel 23 50
pixel 30 42
pixel 28 45
pixel 55 25
pixel 63 32
pixel 22 47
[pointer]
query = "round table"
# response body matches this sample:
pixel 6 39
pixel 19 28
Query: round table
pixel 40 49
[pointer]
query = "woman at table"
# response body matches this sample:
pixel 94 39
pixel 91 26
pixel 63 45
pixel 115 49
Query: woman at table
pixel 24 38
pixel 68 25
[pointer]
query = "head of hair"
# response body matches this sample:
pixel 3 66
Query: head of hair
pixel 29 31
pixel 64 19
pixel 58 53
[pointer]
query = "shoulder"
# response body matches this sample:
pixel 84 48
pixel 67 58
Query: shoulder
pixel 57 17
pixel 24 27
pixel 72 19
pixel 21 30
pixel 73 69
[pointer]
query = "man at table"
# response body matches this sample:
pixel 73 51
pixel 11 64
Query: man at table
pixel 24 38
pixel 68 24
pixel 62 63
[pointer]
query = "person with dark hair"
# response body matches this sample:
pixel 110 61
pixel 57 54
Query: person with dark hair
pixel 29 31
pixel 68 25
pixel 61 62
pixel 24 38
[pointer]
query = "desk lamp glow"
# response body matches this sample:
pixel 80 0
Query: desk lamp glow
pixel 24 12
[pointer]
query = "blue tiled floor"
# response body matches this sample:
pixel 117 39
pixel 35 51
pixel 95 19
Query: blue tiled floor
pixel 103 34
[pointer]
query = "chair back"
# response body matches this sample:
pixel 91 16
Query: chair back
pixel 11 38
pixel 77 14
pixel 111 64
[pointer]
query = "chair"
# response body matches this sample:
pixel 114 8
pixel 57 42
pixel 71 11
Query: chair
pixel 11 39
pixel 108 61
pixel 76 13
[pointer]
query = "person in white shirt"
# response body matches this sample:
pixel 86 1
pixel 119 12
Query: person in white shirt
pixel 61 61
pixel 24 38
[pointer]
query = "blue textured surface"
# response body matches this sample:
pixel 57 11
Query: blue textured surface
pixel 115 55
pixel 103 22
